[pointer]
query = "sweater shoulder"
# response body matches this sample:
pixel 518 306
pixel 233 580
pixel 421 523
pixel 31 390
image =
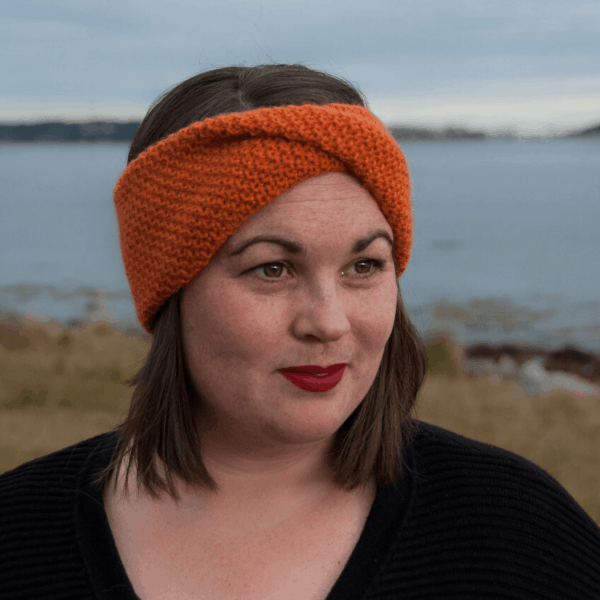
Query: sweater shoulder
pixel 38 521
pixel 482 515
pixel 57 470
pixel 432 443
pixel 450 460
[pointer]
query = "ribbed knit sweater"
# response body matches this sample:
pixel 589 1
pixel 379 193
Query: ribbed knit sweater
pixel 466 521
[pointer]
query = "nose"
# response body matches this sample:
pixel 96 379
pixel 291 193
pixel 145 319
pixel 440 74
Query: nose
pixel 323 315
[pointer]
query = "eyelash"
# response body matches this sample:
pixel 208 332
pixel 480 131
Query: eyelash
pixel 378 264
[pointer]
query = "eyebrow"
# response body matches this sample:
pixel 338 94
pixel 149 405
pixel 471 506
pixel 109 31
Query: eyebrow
pixel 298 248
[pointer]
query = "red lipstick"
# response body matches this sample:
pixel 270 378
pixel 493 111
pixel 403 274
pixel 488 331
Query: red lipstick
pixel 313 378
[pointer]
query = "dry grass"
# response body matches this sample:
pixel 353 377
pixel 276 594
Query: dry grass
pixel 60 387
pixel 57 388
pixel 33 432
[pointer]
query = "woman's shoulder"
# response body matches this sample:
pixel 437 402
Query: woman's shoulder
pixel 59 469
pixel 491 516
pixel 437 448
pixel 41 518
pixel 490 488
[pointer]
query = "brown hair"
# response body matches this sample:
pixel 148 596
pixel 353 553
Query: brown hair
pixel 159 435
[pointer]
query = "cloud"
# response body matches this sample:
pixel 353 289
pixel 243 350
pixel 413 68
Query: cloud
pixel 532 115
pixel 126 53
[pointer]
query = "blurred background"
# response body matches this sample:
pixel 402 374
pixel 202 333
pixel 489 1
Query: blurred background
pixel 496 105
pixel 481 95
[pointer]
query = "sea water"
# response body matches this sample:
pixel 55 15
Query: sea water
pixel 506 236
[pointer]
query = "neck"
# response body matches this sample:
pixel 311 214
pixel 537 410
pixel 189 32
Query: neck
pixel 253 493
pixel 282 471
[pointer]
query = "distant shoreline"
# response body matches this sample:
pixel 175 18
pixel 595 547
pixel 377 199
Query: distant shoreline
pixel 120 132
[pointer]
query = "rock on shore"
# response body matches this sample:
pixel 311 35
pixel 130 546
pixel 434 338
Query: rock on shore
pixel 537 370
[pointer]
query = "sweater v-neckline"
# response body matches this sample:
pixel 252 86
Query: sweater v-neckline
pixel 109 578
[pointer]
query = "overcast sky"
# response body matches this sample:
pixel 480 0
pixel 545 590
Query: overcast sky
pixel 531 66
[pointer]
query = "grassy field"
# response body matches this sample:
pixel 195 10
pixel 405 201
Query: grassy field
pixel 59 387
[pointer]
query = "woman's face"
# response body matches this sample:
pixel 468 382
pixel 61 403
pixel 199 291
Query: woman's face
pixel 249 314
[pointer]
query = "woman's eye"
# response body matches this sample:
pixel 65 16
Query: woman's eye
pixel 364 269
pixel 268 269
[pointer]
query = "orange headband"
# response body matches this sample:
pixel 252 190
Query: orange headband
pixel 180 200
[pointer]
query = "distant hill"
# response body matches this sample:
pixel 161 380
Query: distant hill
pixel 97 131
pixel 584 132
pixel 105 131
pixel 412 133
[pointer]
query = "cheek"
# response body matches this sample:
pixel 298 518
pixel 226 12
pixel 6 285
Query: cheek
pixel 375 318
pixel 225 327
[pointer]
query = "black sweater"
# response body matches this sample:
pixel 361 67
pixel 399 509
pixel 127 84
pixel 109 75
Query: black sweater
pixel 466 521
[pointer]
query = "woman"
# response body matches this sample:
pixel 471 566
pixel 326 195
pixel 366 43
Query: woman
pixel 269 451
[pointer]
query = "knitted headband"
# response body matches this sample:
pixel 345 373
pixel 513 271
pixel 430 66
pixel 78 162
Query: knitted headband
pixel 180 200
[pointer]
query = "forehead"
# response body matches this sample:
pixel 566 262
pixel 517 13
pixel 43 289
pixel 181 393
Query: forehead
pixel 327 197
pixel 329 186
pixel 329 210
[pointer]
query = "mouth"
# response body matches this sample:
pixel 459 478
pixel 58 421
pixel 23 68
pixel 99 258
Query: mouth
pixel 314 369
pixel 319 380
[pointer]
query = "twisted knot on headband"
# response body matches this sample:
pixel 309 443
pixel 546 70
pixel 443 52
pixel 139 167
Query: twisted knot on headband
pixel 180 200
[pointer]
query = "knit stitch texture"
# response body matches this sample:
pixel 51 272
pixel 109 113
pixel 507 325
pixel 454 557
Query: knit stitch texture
pixel 466 521
pixel 180 200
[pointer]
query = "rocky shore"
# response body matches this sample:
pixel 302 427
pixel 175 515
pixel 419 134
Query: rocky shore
pixel 536 370
pixel 11 324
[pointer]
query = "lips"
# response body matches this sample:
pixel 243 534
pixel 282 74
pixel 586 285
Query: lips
pixel 315 381
pixel 314 369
